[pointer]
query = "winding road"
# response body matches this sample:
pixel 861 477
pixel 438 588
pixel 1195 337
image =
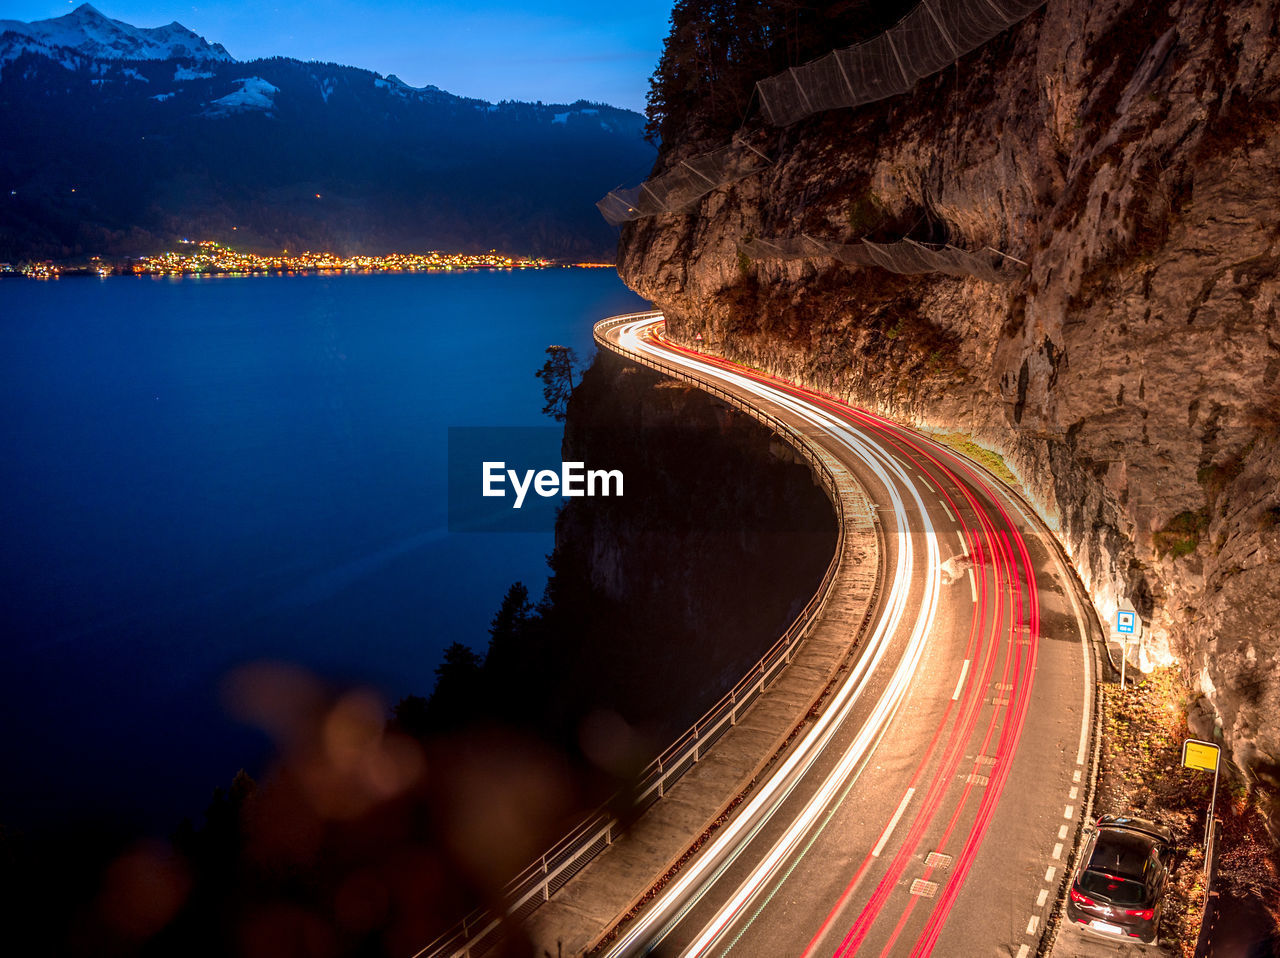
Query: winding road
pixel 933 804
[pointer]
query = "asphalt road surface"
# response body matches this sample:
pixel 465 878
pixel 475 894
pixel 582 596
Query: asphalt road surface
pixel 932 806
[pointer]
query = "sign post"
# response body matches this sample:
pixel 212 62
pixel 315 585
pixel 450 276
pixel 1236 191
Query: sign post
pixel 1127 627
pixel 1204 756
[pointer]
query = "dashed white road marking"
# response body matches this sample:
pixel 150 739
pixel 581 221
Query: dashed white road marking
pixel 1062 831
pixel 1075 776
pixel 1040 898
pixel 973 586
pixel 964 671
pixel 1075 792
pixel 1023 951
pixel 884 837
pixel 1070 812
pixel 1033 924
pixel 964 546
pixel 946 510
pixel 1048 875
pixel 1057 852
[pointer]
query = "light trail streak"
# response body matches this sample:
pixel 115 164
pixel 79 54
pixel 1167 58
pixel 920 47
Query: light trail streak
pixel 692 882
pixel 852 942
pixel 960 734
pixel 1011 732
pixel 1010 736
pixel 892 461
pixel 1002 552
pixel 896 438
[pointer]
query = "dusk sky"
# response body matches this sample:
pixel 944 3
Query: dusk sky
pixel 552 51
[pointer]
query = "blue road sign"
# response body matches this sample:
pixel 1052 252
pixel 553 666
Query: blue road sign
pixel 1126 622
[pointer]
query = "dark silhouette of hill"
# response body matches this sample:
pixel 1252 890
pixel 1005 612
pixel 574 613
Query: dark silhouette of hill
pixel 121 157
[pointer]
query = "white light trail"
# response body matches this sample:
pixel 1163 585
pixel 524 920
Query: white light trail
pixel 683 893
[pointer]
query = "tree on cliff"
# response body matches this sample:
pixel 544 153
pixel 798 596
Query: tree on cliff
pixel 511 665
pixel 718 49
pixel 455 701
pixel 507 624
pixel 557 380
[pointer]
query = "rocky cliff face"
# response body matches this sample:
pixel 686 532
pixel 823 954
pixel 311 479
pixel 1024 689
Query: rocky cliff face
pixel 679 587
pixel 1129 154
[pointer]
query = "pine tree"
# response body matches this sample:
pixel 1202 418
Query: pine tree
pixel 557 380
pixel 506 627
pixel 454 702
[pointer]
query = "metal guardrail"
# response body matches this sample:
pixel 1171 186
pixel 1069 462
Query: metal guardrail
pixel 1209 905
pixel 482 929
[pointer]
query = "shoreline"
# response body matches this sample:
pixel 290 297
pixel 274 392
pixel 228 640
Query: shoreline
pixel 55 272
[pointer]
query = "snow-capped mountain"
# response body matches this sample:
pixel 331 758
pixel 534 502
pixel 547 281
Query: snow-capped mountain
pixel 90 33
pixel 253 93
pixel 118 140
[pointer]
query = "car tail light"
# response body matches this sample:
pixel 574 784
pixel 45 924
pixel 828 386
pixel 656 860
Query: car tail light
pixel 1146 914
pixel 1080 899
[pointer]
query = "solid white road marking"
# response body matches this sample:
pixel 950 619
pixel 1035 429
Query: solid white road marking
pixel 973 586
pixel 884 837
pixel 964 671
pixel 1085 711
pixel 1057 852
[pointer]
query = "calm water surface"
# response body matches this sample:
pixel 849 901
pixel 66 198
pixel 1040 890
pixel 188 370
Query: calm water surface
pixel 200 473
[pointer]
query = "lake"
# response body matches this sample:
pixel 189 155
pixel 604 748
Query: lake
pixel 205 472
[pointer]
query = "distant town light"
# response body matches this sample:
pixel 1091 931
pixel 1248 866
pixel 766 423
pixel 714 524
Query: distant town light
pixel 212 257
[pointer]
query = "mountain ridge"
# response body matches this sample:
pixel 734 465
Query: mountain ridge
pixel 122 155
pixel 89 32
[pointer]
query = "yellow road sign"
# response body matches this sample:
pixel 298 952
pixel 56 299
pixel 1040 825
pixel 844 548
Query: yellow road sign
pixel 1201 755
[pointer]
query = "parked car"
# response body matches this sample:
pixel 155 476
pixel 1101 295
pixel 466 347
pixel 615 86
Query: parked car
pixel 1120 879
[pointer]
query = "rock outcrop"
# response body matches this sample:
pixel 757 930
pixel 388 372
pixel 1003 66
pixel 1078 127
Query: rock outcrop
pixel 669 595
pixel 1129 154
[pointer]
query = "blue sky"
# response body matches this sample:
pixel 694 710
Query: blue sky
pixel 550 51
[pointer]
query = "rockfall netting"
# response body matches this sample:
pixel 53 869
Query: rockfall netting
pixel 932 36
pixel 935 34
pixel 682 185
pixel 904 256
